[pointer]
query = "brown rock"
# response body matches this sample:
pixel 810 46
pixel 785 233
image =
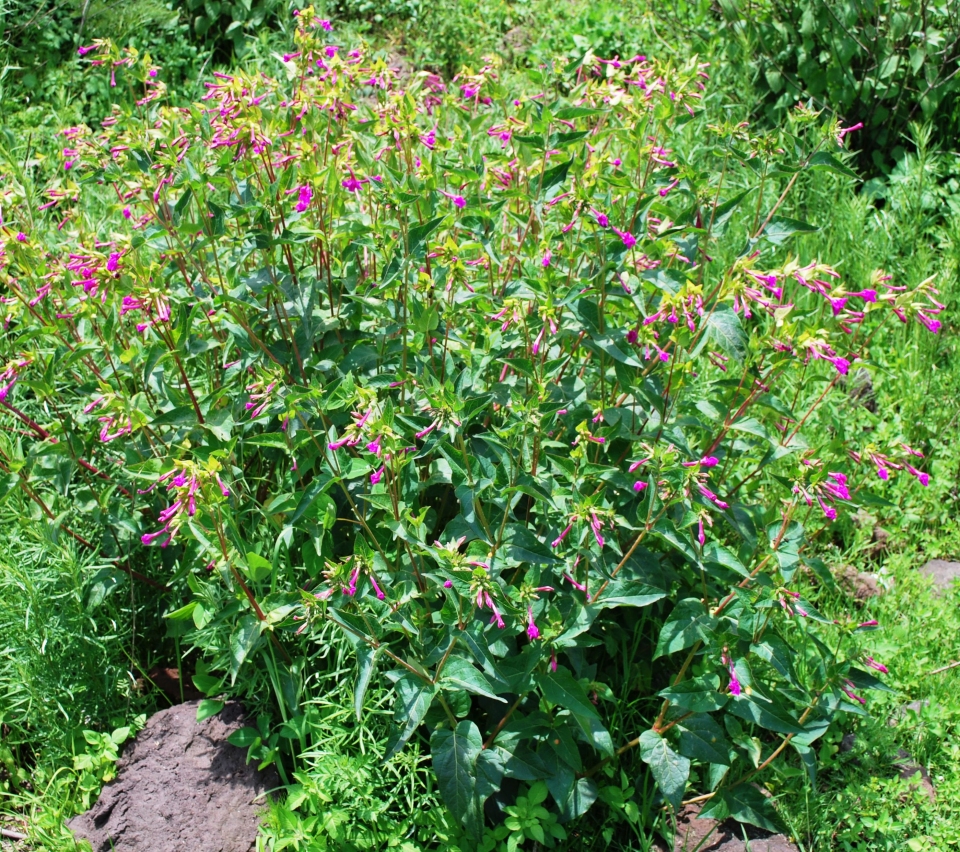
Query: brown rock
pixel 912 771
pixel 707 835
pixel 942 571
pixel 180 787
pixel 861 585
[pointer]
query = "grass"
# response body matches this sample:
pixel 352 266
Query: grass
pixel 859 802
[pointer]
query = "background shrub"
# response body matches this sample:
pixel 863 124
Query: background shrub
pixel 879 64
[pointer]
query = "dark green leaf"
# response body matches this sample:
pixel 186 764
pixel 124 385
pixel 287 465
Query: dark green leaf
pixel 766 712
pixel 417 238
pixel 414 696
pixel 865 680
pixel 462 674
pixel 745 803
pixel 454 761
pixel 781 228
pixel 669 769
pixel 825 160
pixel 688 623
pixel 366 660
pixel 698 695
pixel 561 688
pixel 726 332
pixel 703 739
pixel 580 796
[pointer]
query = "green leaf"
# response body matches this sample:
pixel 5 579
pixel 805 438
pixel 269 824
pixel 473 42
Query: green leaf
pixel 780 655
pixel 781 228
pixel 698 695
pixel 688 623
pixel 669 769
pixel 258 568
pixel 825 160
pixel 244 738
pixel 715 552
pixel 461 673
pixel 561 688
pixel 745 803
pixel 183 613
pixel 242 642
pixel 414 696
pixel 8 484
pixel 723 212
pixel 627 593
pixel 454 761
pixel 701 738
pixel 319 485
pixel 865 680
pixel 208 707
pixel 522 545
pixel 580 796
pixel 725 330
pixel 571 112
pixel 418 235
pixel 554 177
pixel 366 661
pixel 766 712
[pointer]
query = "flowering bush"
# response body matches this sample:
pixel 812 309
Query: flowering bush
pixel 453 367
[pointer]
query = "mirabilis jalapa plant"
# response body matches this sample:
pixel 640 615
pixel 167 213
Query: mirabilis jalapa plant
pixel 453 367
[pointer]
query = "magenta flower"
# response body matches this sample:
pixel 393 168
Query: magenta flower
pixel 304 198
pixel 351 184
pixel 845 130
pixel 424 432
pixel 546 258
pixel 533 632
pixel 376 588
pixel 325 25
pixel 666 190
pixel 113 262
pixel 924 478
pixel 559 539
pixel 374 446
pixel 870 662
pixel 377 475
pixel 126 213
pixel 21 237
pixel 596 526
pixel 639 485
pixel 735 687
pixel 629 240
pixel 848 691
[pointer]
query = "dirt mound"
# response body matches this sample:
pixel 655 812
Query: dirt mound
pixel 180 786
pixel 706 835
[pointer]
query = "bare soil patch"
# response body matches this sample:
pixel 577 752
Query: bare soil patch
pixel 180 786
